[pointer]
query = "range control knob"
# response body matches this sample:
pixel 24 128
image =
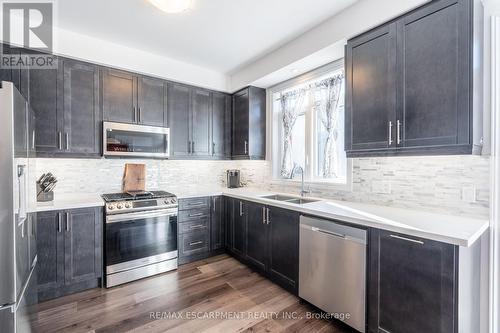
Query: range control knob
pixel 111 207
pixel 119 206
pixel 128 205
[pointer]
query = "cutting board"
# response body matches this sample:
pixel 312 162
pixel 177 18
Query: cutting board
pixel 134 177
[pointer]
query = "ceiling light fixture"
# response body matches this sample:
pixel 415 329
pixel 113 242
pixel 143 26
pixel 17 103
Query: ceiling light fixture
pixel 172 6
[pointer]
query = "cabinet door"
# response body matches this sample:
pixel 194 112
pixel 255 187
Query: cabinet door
pixel 178 120
pixel 284 247
pixel 5 71
pixel 82 117
pixel 409 276
pixel 21 76
pixel 46 103
pixel 256 147
pixel 256 236
pixel 434 87
pixel 239 228
pixel 217 225
pixel 152 102
pixel 50 245
pixel 219 125
pixel 240 123
pixel 82 243
pixel 371 91
pixel 119 96
pixel 200 123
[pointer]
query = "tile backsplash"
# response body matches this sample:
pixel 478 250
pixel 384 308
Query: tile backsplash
pixel 433 183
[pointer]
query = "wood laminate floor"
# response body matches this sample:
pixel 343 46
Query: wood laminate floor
pixel 218 294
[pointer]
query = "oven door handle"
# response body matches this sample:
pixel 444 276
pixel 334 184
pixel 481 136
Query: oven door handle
pixel 140 215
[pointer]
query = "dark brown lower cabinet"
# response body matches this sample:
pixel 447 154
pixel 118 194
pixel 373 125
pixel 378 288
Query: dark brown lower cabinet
pixel 201 228
pixel 267 239
pixel 69 246
pixel 412 284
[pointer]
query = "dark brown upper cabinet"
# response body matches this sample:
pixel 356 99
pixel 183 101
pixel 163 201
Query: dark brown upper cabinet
pixel 371 91
pixel 179 100
pixel 221 125
pixel 198 122
pixel 134 99
pixel 249 124
pixel 66 104
pixel 152 101
pixel 81 112
pixel 409 85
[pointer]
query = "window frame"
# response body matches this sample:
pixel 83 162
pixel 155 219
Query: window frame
pixel 275 133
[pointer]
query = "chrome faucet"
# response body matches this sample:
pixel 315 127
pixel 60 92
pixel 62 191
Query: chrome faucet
pixel 298 168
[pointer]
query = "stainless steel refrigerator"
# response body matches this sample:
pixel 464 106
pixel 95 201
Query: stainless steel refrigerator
pixel 18 255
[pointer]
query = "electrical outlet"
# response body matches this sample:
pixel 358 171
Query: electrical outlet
pixel 469 193
pixel 381 187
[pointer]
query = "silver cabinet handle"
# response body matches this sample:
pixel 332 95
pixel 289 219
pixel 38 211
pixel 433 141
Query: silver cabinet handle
pixel 140 114
pixel 59 222
pixel 189 147
pixel 263 215
pixel 135 114
pixel 268 220
pixel 198 226
pixel 390 133
pixel 407 239
pixel 192 147
pixel 33 140
pixel 67 221
pixel 195 215
pixel 246 147
pixel 214 199
pixel 195 243
pixel 241 208
pixel 67 140
pixel 197 203
pixel 213 148
pixel 398 132
pixel 60 140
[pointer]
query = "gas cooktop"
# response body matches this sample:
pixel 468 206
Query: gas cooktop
pixel 136 195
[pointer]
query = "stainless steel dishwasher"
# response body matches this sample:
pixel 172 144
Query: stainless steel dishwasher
pixel 333 269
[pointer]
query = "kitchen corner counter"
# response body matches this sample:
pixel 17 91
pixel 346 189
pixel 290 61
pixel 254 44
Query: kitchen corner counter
pixel 71 201
pixel 451 229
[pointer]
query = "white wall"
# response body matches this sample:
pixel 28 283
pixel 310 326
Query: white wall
pixel 360 17
pixel 103 52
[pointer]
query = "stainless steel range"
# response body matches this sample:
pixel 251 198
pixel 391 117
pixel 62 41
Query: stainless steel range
pixel 140 234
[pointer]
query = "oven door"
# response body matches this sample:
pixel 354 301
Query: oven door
pixel 141 238
pixel 135 140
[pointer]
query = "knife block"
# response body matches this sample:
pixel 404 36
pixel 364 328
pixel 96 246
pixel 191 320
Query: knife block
pixel 43 196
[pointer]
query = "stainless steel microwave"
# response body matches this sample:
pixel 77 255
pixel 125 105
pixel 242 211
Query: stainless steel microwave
pixel 128 140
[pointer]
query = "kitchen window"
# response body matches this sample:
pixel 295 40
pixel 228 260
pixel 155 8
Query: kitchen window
pixel 308 127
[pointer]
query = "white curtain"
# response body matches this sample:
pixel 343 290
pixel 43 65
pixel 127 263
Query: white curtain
pixel 291 107
pixel 327 96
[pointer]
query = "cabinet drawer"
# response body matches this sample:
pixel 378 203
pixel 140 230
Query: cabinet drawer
pixel 196 225
pixel 193 243
pixel 193 214
pixel 194 203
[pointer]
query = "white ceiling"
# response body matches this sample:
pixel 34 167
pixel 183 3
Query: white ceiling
pixel 222 35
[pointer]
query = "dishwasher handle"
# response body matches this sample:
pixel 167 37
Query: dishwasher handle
pixel 327 232
pixel 331 228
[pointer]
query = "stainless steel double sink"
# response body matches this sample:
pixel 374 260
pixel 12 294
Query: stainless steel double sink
pixel 289 199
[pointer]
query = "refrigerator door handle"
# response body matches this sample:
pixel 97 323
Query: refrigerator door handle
pixel 21 176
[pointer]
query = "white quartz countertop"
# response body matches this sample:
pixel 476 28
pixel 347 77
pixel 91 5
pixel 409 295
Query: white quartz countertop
pixel 451 229
pixel 71 201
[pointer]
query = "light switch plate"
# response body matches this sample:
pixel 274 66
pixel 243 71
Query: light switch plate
pixel 469 193
pixel 381 187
